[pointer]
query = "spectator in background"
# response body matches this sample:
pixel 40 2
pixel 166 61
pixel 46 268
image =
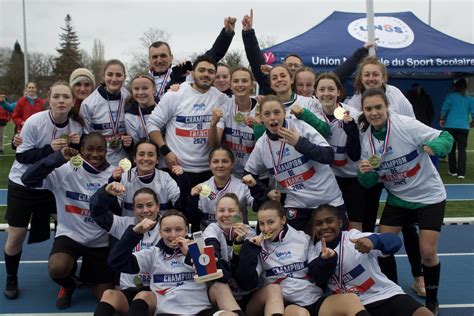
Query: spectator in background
pixel 5 116
pixel 454 118
pixel 26 106
pixel 422 104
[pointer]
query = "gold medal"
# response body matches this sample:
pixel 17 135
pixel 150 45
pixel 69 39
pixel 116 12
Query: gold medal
pixel 64 136
pixel 239 117
pixel 125 164
pixel 339 113
pixel 236 219
pixel 138 282
pixel 114 143
pixel 76 161
pixel 267 235
pixel 205 190
pixel 375 161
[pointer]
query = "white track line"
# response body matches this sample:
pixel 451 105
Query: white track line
pixel 454 254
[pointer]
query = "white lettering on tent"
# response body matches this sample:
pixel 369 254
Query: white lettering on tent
pixel 391 32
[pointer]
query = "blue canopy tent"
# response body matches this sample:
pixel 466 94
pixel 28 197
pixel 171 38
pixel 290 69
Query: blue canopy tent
pixel 412 50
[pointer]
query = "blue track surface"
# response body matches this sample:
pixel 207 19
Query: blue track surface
pixel 456 247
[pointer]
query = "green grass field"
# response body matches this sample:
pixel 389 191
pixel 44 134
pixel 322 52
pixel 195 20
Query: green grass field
pixel 453 209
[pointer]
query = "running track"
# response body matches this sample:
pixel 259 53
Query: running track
pixel 456 293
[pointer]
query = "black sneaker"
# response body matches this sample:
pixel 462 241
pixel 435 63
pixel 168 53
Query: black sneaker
pixel 433 306
pixel 64 298
pixel 11 288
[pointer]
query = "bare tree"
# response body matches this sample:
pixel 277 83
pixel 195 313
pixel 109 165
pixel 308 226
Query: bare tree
pixel 152 35
pixel 98 59
pixel 233 58
pixel 266 41
pixel 41 70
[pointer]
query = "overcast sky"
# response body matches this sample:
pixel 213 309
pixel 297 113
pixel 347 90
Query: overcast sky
pixel 193 25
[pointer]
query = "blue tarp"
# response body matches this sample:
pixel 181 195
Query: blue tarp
pixel 406 44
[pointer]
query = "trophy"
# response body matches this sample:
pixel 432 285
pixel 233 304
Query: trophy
pixel 204 260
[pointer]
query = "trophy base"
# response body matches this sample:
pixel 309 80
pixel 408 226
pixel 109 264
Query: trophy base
pixel 209 277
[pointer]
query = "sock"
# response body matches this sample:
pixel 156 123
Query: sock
pixel 12 263
pixel 67 282
pixel 362 313
pixel 138 308
pixel 432 281
pixel 104 309
pixel 388 265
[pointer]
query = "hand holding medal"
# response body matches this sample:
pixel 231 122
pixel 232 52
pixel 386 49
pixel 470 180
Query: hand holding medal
pixel 125 164
pixel 205 190
pixel 68 152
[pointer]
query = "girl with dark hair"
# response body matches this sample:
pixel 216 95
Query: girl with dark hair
pixel 77 235
pixel 103 111
pixel 396 150
pixel 145 205
pixel 354 253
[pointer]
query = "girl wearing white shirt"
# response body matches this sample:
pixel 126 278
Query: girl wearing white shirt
pixel 43 134
pixel 396 149
pixel 346 262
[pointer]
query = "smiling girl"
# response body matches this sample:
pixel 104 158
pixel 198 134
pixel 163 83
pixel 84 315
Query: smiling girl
pixel 351 251
pixel 103 111
pixel 169 265
pixel 298 157
pixel 344 138
pixel 145 205
pixel 237 135
pixel 280 255
pixel 140 106
pixel 396 150
pixel 145 174
pixel 44 133
pixel 77 235
pixel 221 162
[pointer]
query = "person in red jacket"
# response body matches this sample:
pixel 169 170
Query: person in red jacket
pixel 26 106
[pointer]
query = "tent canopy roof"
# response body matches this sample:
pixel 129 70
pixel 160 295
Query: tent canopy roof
pixel 405 45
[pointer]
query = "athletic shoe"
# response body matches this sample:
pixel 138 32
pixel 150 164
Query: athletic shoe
pixel 433 306
pixel 453 174
pixel 11 288
pixel 64 298
pixel 419 286
pixel 461 177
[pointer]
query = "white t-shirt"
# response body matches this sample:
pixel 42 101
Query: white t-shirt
pixel 187 116
pixel 406 170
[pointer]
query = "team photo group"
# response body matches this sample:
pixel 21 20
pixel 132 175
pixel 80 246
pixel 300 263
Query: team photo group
pixel 132 168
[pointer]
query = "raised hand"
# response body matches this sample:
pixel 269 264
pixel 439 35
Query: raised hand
pixel 274 195
pixel 326 252
pixel 115 188
pixel 249 180
pixel 290 136
pixel 217 114
pixel 68 152
pixel 144 226
pixel 229 23
pixel 247 21
pixel 127 140
pixel 364 166
pixel 363 245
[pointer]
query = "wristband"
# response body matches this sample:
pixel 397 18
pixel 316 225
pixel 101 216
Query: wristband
pixel 164 150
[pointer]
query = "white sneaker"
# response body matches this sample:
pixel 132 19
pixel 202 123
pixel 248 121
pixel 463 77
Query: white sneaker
pixel 461 177
pixel 453 174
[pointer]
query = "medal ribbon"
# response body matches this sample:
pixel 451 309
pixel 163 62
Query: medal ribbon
pixel 55 128
pixel 142 120
pixel 219 192
pixel 163 83
pixel 338 279
pixel 115 125
pixel 385 143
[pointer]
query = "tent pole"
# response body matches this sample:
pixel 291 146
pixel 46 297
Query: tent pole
pixel 370 25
